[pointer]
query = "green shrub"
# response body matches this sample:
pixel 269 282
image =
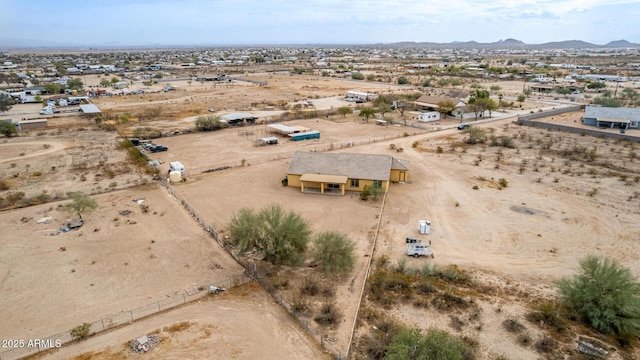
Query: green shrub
pixel 81 331
pixel 605 295
pixel 436 344
pixel 335 252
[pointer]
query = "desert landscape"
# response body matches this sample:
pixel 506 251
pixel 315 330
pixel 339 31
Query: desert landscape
pixel 507 221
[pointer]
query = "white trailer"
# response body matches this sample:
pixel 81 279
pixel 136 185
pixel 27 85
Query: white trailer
pixel 429 116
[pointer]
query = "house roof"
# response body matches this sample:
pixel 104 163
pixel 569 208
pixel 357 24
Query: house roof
pixel 609 113
pixel 399 164
pixel 238 116
pixel 432 101
pixel 353 166
pixel 90 109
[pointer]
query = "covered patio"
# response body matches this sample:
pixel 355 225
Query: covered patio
pixel 323 182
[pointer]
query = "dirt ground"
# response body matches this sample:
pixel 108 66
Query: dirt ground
pixel 520 238
pixel 241 323
pixel 113 263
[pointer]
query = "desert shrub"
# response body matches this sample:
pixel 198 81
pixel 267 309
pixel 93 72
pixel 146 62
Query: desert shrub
pixel 383 285
pixel 604 294
pixel 546 315
pixel 81 331
pixel 310 286
pixel 545 345
pixel 453 273
pixel 13 197
pixel 512 325
pixel 425 286
pixel 503 182
pixel 374 343
pixel 300 305
pixel 402 265
pixel 279 281
pixel 381 262
pixel 4 185
pixel 329 314
pixel 524 340
pixel 365 193
pixel 335 252
pixel 448 301
pixel 475 135
pixel 435 344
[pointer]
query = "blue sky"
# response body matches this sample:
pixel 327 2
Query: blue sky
pixel 273 22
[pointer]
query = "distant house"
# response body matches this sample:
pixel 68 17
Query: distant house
pixel 429 102
pixel 612 117
pixel 339 172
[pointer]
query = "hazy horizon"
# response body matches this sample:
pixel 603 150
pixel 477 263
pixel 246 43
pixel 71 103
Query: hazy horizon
pixel 316 22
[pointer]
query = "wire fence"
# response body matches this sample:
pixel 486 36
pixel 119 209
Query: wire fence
pixel 255 273
pixel 33 346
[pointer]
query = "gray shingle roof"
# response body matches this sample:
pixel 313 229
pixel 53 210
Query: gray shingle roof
pixel 354 166
pixel 595 112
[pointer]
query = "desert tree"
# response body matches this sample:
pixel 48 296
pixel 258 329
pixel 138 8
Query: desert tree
pixel 345 110
pixel 75 84
pixel 384 108
pixel 335 252
pixel 435 344
pixel 604 294
pixel 6 102
pixel 475 135
pixel 367 112
pixel 446 106
pixel 282 237
pixel 80 204
pixel 7 128
pixel 209 123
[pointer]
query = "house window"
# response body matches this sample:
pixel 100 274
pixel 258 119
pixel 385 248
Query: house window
pixel 333 186
pixel 355 183
pixel 634 124
pixel 377 183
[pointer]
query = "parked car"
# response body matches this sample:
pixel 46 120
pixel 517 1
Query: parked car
pixel 463 126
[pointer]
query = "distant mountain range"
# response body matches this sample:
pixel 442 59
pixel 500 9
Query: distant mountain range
pixel 10 43
pixel 515 44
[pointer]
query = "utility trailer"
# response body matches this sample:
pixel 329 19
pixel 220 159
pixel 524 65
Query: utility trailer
pixel 416 248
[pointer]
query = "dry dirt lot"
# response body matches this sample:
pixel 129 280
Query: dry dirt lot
pixel 52 281
pixel 241 323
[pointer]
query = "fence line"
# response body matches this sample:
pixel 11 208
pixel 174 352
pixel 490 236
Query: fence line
pixel 253 271
pixel 575 130
pixel 121 318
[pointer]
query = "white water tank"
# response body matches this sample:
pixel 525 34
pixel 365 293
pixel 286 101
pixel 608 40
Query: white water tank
pixel 175 176
pixel 424 227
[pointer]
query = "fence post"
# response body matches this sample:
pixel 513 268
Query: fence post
pixel 158 305
pixel 184 298
pixel 131 314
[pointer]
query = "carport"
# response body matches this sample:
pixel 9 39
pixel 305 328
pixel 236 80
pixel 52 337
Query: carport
pixel 323 182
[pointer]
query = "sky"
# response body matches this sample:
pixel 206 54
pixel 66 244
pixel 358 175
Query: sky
pixel 284 22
